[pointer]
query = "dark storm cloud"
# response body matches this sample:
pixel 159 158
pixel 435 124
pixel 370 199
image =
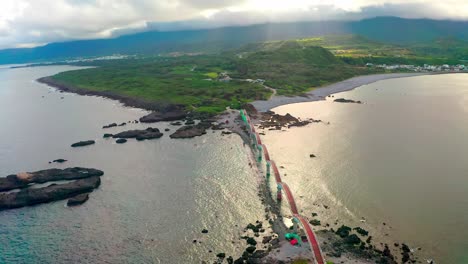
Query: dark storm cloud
pixel 29 22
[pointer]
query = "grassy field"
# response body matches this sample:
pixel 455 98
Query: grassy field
pixel 189 81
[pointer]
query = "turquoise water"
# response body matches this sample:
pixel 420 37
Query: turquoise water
pixel 399 158
pixel 155 197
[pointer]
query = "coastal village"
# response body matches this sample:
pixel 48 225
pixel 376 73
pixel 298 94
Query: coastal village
pixel 424 68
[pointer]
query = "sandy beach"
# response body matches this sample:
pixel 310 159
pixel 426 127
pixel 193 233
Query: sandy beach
pixel 322 92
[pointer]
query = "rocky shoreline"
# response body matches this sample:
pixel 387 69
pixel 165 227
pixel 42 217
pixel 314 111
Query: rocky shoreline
pixel 343 245
pixel 125 100
pixel 264 251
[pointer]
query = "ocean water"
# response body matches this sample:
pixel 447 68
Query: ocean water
pixel 400 161
pixel 155 198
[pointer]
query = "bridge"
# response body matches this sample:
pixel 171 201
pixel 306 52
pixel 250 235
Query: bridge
pixel 282 186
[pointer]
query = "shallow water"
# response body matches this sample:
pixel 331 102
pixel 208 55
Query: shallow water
pixel 155 197
pixel 400 159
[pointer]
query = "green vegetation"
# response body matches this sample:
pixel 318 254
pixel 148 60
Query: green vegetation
pixel 294 68
pixel 291 67
pixel 181 80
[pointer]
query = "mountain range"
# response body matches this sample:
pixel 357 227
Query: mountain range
pixel 392 30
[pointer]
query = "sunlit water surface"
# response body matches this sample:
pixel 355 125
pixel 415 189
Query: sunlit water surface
pixel 155 198
pixel 401 158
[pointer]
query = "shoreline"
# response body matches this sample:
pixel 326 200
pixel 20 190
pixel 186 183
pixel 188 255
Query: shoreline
pixel 277 225
pixel 321 93
pixel 125 100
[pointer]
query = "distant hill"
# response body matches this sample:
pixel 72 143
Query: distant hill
pixel 293 67
pixel 384 29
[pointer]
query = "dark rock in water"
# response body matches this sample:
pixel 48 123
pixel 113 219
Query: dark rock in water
pixel 204 231
pixel 110 125
pixel 361 231
pixel 405 257
pixel 250 249
pixel 386 252
pixel 274 241
pixel 60 160
pixel 107 135
pixel 239 261
pixel 343 231
pixel 300 123
pixel 312 156
pixel 251 241
pixel 253 227
pixel 342 100
pixel 166 116
pixel 270 119
pixel 352 239
pixel 259 254
pixel 178 123
pixel 189 122
pixel 53 192
pixel 315 222
pixel 23 180
pixel 123 124
pixel 266 239
pixel 189 131
pixel 226 132
pixel 167 129
pixel 149 133
pixel 83 143
pixel 77 200
pixel 121 141
pixel 405 248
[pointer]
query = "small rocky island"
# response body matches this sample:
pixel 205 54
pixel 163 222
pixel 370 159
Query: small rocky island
pixel 273 121
pixel 343 100
pixel 144 134
pixel 82 181
pixel 191 131
pixel 83 143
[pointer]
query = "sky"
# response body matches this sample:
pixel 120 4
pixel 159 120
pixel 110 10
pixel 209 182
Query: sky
pixel 28 23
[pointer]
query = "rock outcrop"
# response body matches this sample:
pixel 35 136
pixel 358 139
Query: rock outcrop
pixel 276 121
pixel 121 141
pixel 83 143
pixel 149 133
pixel 189 131
pixel 53 192
pixel 110 125
pixel 163 116
pixel 342 100
pixel 78 200
pixel 23 180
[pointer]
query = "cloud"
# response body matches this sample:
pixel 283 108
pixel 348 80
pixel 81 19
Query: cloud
pixel 28 22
